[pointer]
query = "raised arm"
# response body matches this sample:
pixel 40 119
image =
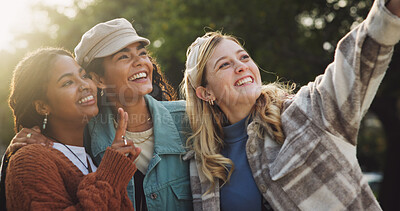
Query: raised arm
pixel 337 100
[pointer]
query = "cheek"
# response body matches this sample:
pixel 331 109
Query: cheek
pixel 115 74
pixel 150 67
pixel 61 101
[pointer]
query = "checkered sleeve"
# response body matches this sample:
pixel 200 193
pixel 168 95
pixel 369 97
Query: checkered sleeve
pixel 338 99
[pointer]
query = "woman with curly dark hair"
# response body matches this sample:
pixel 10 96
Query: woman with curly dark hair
pixel 51 90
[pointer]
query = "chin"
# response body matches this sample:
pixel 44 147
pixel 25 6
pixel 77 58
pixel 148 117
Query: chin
pixel 146 89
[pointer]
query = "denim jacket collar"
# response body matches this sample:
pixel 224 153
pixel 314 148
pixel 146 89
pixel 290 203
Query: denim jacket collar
pixel 166 135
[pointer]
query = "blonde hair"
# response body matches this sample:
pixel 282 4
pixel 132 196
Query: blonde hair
pixel 207 120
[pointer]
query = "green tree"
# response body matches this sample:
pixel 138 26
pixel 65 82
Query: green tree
pixel 294 40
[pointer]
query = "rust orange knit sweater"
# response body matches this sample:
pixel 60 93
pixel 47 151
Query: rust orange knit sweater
pixel 42 178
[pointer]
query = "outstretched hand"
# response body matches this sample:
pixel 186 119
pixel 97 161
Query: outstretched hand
pixel 119 144
pixel 27 136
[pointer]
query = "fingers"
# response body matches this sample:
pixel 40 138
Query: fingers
pixel 14 147
pixel 28 136
pixel 122 124
pixel 137 153
pixel 129 149
pixel 31 136
pixel 126 146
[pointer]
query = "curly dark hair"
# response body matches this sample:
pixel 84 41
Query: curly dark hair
pixel 29 84
pixel 162 90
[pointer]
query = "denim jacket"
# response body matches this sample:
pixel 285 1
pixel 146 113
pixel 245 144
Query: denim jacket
pixel 166 184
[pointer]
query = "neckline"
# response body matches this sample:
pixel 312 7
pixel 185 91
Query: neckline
pixel 87 165
pixel 236 132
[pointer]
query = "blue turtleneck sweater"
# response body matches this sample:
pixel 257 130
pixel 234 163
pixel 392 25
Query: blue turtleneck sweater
pixel 240 192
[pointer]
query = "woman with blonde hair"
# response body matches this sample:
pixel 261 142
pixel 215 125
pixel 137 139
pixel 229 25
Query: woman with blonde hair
pixel 257 147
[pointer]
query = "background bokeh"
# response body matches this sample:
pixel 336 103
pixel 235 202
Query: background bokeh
pixel 290 40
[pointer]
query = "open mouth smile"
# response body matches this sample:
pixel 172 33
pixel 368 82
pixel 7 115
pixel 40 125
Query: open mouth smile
pixel 87 100
pixel 244 81
pixel 137 76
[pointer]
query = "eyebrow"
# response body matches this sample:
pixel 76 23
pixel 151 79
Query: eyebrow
pixel 216 62
pixel 68 74
pixel 122 50
pixel 127 49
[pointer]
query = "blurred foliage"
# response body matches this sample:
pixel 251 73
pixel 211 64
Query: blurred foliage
pixel 291 40
pixel 372 144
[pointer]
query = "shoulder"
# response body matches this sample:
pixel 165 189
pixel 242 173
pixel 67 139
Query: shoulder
pixel 174 106
pixel 35 152
pixel 34 158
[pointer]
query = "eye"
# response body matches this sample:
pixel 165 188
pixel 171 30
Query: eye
pixel 244 57
pixel 225 64
pixel 123 57
pixel 87 76
pixel 67 83
pixel 143 53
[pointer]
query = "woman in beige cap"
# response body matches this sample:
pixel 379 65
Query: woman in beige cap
pixel 129 78
pixel 119 61
pixel 257 147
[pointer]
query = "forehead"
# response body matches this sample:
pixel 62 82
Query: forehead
pixel 63 64
pixel 225 48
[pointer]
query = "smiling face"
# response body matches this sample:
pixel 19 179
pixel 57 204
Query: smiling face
pixel 71 94
pixel 128 74
pixel 232 77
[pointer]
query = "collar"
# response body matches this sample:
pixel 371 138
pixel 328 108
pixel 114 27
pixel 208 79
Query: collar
pixel 167 139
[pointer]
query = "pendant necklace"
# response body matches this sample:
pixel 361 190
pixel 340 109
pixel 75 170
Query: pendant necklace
pixel 87 159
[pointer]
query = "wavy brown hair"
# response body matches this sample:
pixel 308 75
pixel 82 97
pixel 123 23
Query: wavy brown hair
pixel 207 120
pixel 29 84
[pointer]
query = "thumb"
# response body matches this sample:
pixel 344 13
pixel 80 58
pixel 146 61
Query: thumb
pixel 122 124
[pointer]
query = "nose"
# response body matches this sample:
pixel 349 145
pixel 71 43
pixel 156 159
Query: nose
pixel 137 61
pixel 241 67
pixel 84 85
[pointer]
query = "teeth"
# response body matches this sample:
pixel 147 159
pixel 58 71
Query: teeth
pixel 85 99
pixel 136 76
pixel 244 81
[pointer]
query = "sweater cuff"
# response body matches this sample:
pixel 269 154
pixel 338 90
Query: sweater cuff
pixel 382 25
pixel 116 168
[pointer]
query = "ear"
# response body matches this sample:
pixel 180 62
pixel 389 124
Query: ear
pixel 41 107
pixel 99 81
pixel 204 94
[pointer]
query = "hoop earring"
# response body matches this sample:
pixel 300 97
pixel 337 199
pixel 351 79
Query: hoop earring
pixel 101 92
pixel 211 102
pixel 44 122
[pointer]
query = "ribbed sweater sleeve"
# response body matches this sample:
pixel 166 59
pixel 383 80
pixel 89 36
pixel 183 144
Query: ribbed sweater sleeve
pixel 40 178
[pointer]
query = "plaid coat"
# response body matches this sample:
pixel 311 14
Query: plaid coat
pixel 316 168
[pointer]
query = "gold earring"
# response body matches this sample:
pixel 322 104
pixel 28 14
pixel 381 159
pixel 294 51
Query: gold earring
pixel 211 102
pixel 101 92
